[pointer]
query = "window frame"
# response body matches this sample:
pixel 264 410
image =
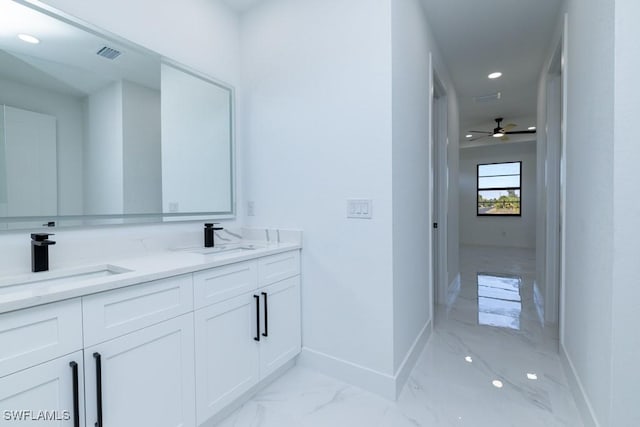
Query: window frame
pixel 478 189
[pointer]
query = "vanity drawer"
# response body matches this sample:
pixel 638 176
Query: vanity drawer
pixel 115 313
pixel 35 335
pixel 274 268
pixel 222 283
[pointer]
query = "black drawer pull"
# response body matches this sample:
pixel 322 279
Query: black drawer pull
pixel 266 316
pixel 76 397
pixel 257 299
pixel 98 359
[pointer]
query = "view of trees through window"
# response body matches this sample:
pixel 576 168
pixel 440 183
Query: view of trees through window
pixel 499 189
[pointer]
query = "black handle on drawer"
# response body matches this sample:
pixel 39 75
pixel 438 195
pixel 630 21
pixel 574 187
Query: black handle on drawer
pixel 266 316
pixel 76 396
pixel 257 299
pixel 98 388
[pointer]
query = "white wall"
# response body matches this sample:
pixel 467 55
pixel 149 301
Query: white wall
pixel 412 42
pixel 68 111
pixel 498 231
pixel 586 302
pixel 103 152
pixel 626 230
pixel 142 177
pixel 317 84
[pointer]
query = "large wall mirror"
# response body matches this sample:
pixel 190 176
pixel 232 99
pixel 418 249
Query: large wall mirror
pixel 95 130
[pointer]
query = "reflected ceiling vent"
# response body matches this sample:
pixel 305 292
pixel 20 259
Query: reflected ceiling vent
pixel 107 52
pixel 488 98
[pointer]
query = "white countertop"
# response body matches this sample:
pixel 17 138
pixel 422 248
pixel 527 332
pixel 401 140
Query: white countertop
pixel 15 295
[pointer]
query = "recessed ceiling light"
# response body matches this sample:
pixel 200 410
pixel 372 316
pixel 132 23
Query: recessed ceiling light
pixel 532 376
pixel 532 128
pixel 28 38
pixel 495 75
pixel 497 383
pixel 468 359
pixel 469 136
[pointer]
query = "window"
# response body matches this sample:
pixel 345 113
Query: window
pixel 499 189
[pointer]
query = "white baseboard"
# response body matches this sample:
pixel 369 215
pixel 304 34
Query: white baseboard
pixel 579 395
pixel 410 360
pixel 349 372
pixel 386 385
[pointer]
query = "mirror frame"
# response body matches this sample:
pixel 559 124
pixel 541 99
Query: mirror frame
pixel 78 221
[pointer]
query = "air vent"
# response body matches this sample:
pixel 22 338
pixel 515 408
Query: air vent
pixel 107 52
pixel 488 98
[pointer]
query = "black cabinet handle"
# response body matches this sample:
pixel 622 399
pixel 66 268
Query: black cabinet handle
pixel 266 316
pixel 76 397
pixel 257 299
pixel 98 388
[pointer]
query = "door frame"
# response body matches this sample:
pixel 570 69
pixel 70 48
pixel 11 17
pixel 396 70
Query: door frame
pixel 555 190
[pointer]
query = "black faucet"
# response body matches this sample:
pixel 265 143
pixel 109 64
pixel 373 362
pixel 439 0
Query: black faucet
pixel 40 251
pixel 209 229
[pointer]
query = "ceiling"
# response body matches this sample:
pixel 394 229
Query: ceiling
pixel 477 38
pixel 65 60
pixel 241 5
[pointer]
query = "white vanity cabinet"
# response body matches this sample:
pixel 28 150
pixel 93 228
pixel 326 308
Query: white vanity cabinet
pixel 41 365
pixel 281 332
pixel 144 378
pixel 49 394
pixel 227 355
pixel 139 356
pixel 242 340
pixel 171 352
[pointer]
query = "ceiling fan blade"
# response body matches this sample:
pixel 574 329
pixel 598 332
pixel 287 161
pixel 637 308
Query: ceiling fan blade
pixel 504 138
pixel 509 127
pixel 481 131
pixel 520 132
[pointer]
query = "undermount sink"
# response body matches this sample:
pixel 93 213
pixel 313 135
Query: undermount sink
pixel 62 277
pixel 227 249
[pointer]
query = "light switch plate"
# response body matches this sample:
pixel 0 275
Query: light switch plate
pixel 360 208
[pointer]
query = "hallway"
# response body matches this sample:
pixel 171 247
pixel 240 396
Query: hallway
pixel 452 384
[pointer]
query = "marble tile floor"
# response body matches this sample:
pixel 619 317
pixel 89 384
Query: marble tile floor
pixel 490 333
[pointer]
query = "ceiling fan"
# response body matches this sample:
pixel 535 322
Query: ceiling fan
pixel 501 132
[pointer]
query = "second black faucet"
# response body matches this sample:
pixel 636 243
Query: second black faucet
pixel 209 234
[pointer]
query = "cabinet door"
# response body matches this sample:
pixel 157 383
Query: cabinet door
pixel 280 324
pixel 49 394
pixel 226 353
pixel 145 378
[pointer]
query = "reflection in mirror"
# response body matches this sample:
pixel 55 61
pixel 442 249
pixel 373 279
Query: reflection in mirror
pixel 92 127
pixel 195 113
